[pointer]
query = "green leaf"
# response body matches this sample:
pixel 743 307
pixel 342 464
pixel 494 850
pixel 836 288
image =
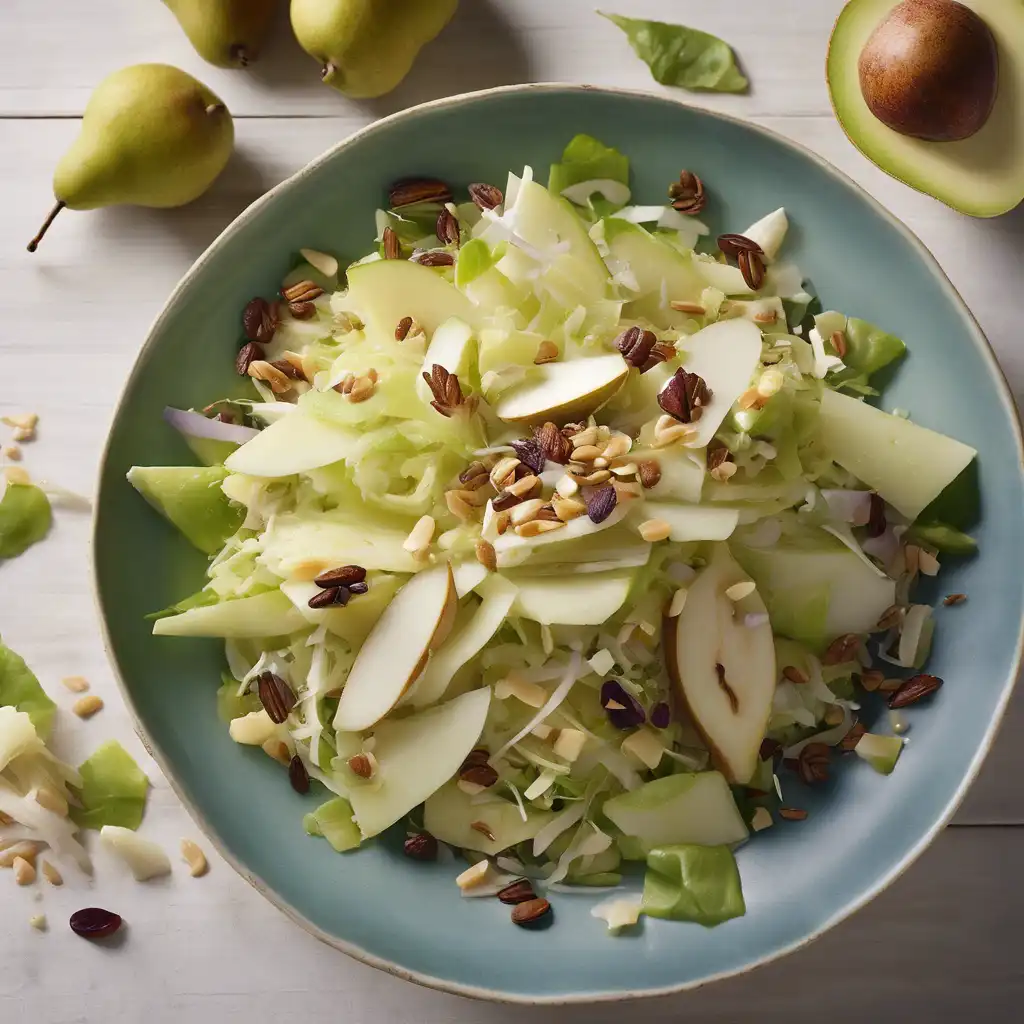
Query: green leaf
pixel 20 689
pixel 230 705
pixel 113 789
pixel 943 537
pixel 682 56
pixel 475 258
pixel 200 599
pixel 25 518
pixel 333 821
pixel 587 159
pixel 693 883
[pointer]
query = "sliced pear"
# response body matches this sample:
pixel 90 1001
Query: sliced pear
pixel 723 670
pixel 468 577
pixel 723 276
pixel 513 550
pixel 269 614
pixel 691 522
pixel 293 444
pixel 725 355
pixel 589 599
pixel 564 391
pixel 498 596
pixel 416 756
pixel 191 498
pixel 416 622
pixel 693 808
pixel 769 232
pixel 329 539
pixel 383 292
pixel 881 752
pixel 351 622
pixel 451 347
pixel 449 814
pixel 908 465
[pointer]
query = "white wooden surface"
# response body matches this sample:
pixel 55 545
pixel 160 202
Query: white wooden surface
pixel 941 944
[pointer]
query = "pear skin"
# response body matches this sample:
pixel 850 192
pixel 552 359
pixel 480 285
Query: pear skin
pixel 228 33
pixel 366 47
pixel 151 135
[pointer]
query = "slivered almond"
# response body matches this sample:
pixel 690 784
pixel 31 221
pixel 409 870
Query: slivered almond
pixel 547 352
pixel 654 530
pixel 458 506
pixel 86 707
pixel 25 849
pixel 486 555
pixel 504 472
pixel 24 872
pixel 525 511
pixel 420 535
pixel 51 800
pixel 536 527
pixel 76 684
pixel 194 858
pixel 51 874
pixel 568 508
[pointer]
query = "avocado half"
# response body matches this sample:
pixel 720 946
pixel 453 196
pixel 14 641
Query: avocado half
pixel 982 175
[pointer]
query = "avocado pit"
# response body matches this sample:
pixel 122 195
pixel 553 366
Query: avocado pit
pixel 930 70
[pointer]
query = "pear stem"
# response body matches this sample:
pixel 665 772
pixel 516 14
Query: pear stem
pixel 327 72
pixel 240 55
pixel 50 217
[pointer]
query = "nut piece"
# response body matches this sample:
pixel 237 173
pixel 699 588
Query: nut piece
pixel 194 858
pixel 649 471
pixel 25 849
pixel 687 194
pixel 420 846
pixel 795 675
pixel 24 872
pixel 685 396
pixel 51 874
pixel 76 684
pixel 362 765
pixel 409 191
pixel 504 472
pixel 420 536
pixel 654 530
pixel 447 227
pixel 24 425
pixel 86 707
pixel 301 291
pixel 547 352
pixel 813 763
pixel 474 876
pixel 392 244
pixel 530 912
pixel 486 197
pixel 913 689
pixel 260 369
pixel 517 892
pixel 51 800
pixel 486 555
pixel 842 649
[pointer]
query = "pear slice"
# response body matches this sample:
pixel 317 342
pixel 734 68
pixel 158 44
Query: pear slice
pixel 723 670
pixel 725 354
pixel 267 614
pixel 295 443
pixel 691 522
pixel 416 622
pixel 450 347
pixel 416 756
pixel 769 232
pixel 587 599
pixel 566 391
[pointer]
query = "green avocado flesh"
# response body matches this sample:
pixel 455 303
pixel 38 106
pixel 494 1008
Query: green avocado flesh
pixel 982 175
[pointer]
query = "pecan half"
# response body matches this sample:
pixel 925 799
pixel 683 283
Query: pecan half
pixel 852 738
pixel 276 696
pixel 752 268
pixel 914 689
pixel 403 328
pixel 447 228
pixel 408 191
pixel 447 391
pixel 392 244
pixel 487 197
pixel 732 245
pixel 259 320
pixel 813 763
pixel 434 258
pixel 249 354
pixel 636 344
pixel 301 291
pixel 843 648
pixel 687 194
pixel 341 577
pixel 685 396
pixel 517 892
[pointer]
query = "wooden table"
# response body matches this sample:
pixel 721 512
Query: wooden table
pixel 942 944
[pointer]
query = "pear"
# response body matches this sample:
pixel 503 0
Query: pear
pixel 228 33
pixel 367 47
pixel 151 135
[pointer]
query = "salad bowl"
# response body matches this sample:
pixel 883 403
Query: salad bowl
pixel 799 878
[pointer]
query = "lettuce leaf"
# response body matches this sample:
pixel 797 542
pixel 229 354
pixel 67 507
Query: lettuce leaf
pixel 200 599
pixel 20 689
pixel 333 821
pixel 25 518
pixel 693 883
pixel 943 537
pixel 113 789
pixel 587 159
pixel 682 56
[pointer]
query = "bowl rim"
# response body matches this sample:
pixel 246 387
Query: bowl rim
pixel 981 343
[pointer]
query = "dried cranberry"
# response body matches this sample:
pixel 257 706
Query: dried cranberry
pixel 628 714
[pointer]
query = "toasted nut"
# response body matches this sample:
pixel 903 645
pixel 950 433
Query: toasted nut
pixel 751 399
pixel 12 452
pixel 530 912
pixel 568 508
pixel 524 487
pixel 486 555
pixel 24 872
pixel 547 352
pixel 693 308
pixel 723 472
pixel 473 876
pixel 795 675
pixel 362 389
pixel 24 425
pixel 260 369
pixel 194 858
pixel 86 707
pixel 588 435
pixel 277 749
pixel 362 765
pixel 51 874
pixel 738 591
pixel 302 291
pixel 618 446
pixel 566 486
pixel 458 506
pixel 654 530
pixel 76 684
pixel 599 476
pixel 504 472
pixel 625 469
pixel 536 527
pixel 628 490
pixel 525 511
pixel 420 535
pixel 25 850
pixel 585 453
pixel 667 436
pixel 649 471
pixel 954 599
pixel 51 800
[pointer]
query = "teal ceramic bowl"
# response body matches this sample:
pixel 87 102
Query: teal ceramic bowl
pixel 799 879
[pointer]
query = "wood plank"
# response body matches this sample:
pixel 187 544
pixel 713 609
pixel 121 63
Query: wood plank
pixel 63 49
pixel 939 946
pixel 75 313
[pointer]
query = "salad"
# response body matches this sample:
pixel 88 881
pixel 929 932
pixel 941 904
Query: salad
pixel 547 537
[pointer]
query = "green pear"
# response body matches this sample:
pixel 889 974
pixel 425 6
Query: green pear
pixel 151 135
pixel 228 33
pixel 366 47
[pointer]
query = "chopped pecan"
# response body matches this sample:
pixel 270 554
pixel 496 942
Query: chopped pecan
pixel 409 191
pixel 447 391
pixel 486 197
pixel 392 244
pixel 434 258
pixel 447 228
pixel 687 194
pixel 636 344
pixel 914 689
